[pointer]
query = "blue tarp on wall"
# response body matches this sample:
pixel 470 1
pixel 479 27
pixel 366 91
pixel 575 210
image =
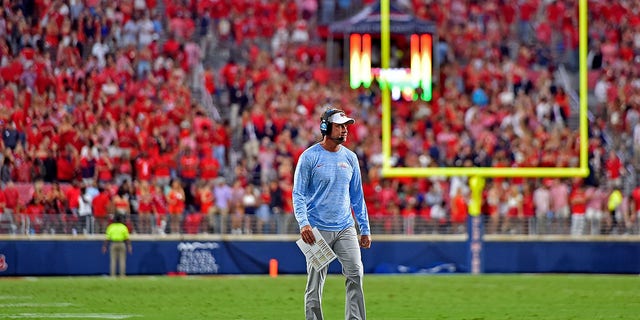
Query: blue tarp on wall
pixel 77 257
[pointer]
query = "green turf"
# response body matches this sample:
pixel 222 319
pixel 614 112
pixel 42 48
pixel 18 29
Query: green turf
pixel 515 297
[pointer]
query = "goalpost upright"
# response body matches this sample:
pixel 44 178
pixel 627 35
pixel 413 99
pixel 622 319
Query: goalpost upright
pixel 477 175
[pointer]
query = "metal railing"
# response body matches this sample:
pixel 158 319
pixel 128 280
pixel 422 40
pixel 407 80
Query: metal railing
pixel 285 223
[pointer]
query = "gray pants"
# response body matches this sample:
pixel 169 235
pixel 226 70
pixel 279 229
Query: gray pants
pixel 345 244
pixel 118 255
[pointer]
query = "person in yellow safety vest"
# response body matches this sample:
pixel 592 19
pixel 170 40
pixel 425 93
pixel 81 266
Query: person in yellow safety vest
pixel 117 234
pixel 613 205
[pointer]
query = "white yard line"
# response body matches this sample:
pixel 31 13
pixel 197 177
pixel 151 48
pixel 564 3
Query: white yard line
pixel 35 305
pixel 52 315
pixel 67 316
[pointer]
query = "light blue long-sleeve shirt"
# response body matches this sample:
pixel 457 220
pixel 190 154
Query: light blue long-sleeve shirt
pixel 326 187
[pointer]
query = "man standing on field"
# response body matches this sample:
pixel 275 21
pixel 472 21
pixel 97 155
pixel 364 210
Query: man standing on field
pixel 327 186
pixel 117 235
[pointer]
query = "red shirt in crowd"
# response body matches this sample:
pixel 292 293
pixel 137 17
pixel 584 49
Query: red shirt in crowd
pixel 613 165
pixel 158 200
pixel 145 203
pixel 100 204
pixel 12 196
pixel 206 199
pixel 189 164
pixel 3 201
pixel 578 201
pixel 34 210
pixel 528 206
pixel 23 171
pixel 66 168
pixel 124 167
pixel 73 197
pixel 458 209
pixel 162 165
pixel 143 168
pixel 104 168
pixel 209 167
pixel 127 138
pixel 635 195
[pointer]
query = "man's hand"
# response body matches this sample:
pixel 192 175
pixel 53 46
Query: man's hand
pixel 307 235
pixel 365 241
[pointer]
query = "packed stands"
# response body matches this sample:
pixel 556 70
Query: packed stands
pixel 189 116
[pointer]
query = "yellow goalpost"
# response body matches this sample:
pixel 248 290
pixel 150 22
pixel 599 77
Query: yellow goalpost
pixel 581 171
pixel 477 175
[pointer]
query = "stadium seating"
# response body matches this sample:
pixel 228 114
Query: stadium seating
pixel 102 93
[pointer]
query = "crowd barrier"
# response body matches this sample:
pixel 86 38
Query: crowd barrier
pixel 63 255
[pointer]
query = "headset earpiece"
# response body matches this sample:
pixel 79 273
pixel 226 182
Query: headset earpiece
pixel 325 126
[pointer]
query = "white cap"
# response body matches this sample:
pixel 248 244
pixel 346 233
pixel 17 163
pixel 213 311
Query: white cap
pixel 341 118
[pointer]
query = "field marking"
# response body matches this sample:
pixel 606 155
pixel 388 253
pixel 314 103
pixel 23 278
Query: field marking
pixel 67 316
pixel 35 305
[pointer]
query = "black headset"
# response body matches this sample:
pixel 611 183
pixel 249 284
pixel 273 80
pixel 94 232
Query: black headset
pixel 325 125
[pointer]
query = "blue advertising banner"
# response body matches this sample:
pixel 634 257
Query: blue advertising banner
pixel 156 257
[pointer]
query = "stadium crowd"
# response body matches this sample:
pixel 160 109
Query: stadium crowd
pixel 125 107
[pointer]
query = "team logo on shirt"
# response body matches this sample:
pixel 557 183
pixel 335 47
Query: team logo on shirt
pixel 343 165
pixel 3 263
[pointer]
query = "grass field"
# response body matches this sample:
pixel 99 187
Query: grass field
pixel 515 297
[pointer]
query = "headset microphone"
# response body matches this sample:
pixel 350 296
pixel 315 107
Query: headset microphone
pixel 340 139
